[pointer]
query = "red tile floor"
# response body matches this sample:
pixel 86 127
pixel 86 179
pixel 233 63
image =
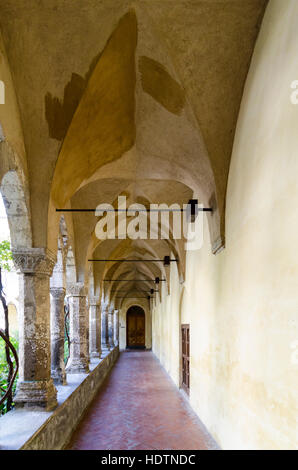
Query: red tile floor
pixel 139 407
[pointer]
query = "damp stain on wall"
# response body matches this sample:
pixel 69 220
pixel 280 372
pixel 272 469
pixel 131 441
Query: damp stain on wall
pixel 59 113
pixel 102 127
pixel 159 84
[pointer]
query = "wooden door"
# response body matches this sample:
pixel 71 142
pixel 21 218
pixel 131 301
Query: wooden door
pixel 185 357
pixel 135 327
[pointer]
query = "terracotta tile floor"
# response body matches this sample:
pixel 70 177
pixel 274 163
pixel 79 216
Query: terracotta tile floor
pixel 138 407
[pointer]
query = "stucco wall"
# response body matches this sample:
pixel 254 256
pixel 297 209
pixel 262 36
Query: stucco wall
pixel 166 326
pixel 242 304
pixel 9 112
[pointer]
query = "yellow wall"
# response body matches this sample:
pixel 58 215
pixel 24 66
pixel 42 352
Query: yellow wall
pixel 9 116
pixel 242 304
pixel 165 326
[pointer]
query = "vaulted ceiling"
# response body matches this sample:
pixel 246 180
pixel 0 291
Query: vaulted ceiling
pixel 127 97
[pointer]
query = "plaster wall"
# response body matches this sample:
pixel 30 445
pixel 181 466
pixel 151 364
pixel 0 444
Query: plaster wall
pixel 242 304
pixel 9 117
pixel 166 325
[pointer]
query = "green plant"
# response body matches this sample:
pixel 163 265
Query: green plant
pixel 5 255
pixel 8 365
pixel 4 370
pixel 66 351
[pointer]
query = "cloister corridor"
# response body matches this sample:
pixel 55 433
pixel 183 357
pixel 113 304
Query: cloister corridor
pixel 148 225
pixel 139 408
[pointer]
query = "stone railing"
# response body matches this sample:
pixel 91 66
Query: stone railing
pixel 25 429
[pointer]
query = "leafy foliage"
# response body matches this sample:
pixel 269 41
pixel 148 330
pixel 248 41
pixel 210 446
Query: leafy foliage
pixel 5 255
pixel 5 264
pixel 66 351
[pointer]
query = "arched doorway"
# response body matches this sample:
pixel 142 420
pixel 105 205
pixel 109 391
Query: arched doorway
pixel 135 327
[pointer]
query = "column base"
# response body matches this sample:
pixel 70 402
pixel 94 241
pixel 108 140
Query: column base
pixel 78 368
pixel 39 394
pixel 105 347
pixel 59 377
pixel 96 354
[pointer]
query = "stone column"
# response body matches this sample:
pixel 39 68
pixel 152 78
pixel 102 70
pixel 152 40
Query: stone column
pixel 35 386
pixel 95 327
pixel 104 329
pixel 57 335
pixel 116 327
pixel 111 328
pixel 79 330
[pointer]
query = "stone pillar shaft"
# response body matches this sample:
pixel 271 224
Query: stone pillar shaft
pixel 104 331
pixel 79 330
pixel 57 335
pixel 116 327
pixel 35 386
pixel 95 328
pixel 111 328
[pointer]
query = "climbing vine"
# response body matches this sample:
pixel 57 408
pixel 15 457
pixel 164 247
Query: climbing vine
pixel 9 362
pixel 66 333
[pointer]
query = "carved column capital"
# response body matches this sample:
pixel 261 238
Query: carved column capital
pixel 34 261
pixel 93 301
pixel 57 292
pixel 77 289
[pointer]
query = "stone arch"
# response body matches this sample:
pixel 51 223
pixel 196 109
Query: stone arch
pixel 71 271
pixel 62 235
pixel 17 211
pixel 12 147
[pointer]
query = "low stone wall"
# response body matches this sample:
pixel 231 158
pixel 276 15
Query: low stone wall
pixel 59 425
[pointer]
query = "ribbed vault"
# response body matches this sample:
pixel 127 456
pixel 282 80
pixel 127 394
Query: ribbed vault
pixel 145 106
